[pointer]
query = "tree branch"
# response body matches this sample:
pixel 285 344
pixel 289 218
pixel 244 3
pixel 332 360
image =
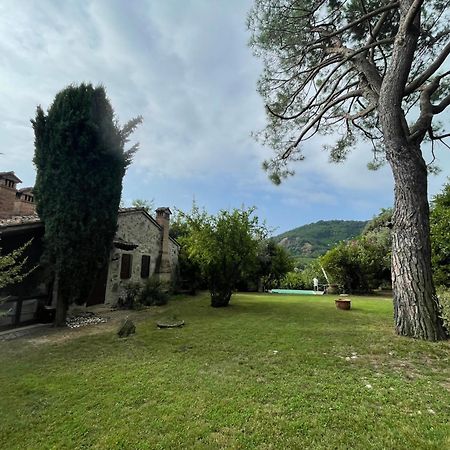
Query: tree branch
pixel 429 72
pixel 355 22
pixel 318 117
pixel 441 106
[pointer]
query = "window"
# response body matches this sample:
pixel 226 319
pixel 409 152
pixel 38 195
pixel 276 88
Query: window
pixel 145 266
pixel 125 266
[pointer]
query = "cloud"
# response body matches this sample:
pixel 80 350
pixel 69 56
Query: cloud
pixel 186 67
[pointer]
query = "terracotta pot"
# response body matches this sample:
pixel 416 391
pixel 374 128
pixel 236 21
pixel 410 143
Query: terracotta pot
pixel 343 304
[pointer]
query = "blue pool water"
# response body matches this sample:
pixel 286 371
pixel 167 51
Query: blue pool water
pixel 295 291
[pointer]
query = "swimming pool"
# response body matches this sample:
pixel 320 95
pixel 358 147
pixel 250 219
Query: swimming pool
pixel 295 292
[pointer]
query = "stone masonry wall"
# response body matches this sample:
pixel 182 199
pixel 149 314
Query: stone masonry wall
pixel 7 200
pixel 24 208
pixel 137 228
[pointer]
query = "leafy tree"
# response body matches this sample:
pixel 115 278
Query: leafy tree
pixel 190 276
pixel 12 266
pixel 359 265
pixel 80 161
pixel 13 269
pixel 380 223
pixel 364 263
pixel 293 280
pixel 343 267
pixel 225 247
pixel 372 71
pixel 273 262
pixel 303 278
pixel 440 237
pixel 311 271
pixel 147 205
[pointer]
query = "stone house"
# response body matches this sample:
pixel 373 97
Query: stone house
pixel 13 201
pixel 142 248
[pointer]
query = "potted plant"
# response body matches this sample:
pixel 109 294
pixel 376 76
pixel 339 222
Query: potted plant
pixel 343 303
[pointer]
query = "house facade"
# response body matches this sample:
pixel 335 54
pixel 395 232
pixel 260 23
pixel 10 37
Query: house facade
pixel 142 248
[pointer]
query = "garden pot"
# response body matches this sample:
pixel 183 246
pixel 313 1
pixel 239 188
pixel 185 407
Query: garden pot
pixel 343 303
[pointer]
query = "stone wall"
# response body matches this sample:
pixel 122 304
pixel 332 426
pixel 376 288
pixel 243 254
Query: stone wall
pixel 133 227
pixel 7 200
pixel 14 202
pixel 24 207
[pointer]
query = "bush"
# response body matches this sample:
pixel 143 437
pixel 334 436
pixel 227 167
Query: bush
pixel 153 293
pixel 131 297
pixel 444 300
pixel 292 280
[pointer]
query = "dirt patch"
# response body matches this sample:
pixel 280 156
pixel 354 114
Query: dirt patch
pixel 114 318
pixel 408 369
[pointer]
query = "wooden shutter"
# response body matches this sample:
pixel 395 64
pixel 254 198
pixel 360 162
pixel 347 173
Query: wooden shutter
pixel 125 266
pixel 145 266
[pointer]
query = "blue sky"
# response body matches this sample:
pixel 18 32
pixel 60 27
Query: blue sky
pixel 186 68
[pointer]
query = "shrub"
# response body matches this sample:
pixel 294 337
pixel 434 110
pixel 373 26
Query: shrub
pixel 153 293
pixel 444 300
pixel 131 298
pixel 292 280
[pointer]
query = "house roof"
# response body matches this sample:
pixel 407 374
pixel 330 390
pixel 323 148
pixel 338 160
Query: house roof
pixel 10 176
pixel 25 189
pixel 20 223
pixel 19 220
pixel 124 211
pixel 34 220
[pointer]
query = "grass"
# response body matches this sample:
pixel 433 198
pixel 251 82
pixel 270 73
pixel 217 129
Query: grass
pixel 269 372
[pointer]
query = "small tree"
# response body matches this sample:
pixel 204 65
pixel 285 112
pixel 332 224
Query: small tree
pixel 80 161
pixel 12 266
pixel 225 247
pixel 274 262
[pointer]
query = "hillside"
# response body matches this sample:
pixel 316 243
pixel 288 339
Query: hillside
pixel 312 240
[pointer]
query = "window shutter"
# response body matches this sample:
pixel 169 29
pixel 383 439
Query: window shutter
pixel 125 267
pixel 145 266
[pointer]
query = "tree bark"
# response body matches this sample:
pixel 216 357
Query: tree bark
pixel 416 306
pixel 61 305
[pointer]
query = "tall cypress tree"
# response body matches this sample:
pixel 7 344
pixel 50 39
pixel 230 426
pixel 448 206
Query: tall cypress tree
pixel 80 161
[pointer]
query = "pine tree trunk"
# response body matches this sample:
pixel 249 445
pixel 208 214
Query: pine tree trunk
pixel 416 307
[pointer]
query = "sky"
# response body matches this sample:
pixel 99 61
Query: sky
pixel 185 66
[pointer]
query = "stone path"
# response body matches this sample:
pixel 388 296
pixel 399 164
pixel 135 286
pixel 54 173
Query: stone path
pixel 15 333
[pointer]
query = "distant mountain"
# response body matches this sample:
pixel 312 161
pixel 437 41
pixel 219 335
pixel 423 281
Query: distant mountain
pixel 313 240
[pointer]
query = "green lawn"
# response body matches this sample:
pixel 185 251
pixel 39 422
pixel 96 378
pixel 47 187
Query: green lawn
pixel 269 372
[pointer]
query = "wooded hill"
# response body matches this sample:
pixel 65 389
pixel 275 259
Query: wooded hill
pixel 313 240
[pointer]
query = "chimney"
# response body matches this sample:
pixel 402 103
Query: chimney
pixel 164 269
